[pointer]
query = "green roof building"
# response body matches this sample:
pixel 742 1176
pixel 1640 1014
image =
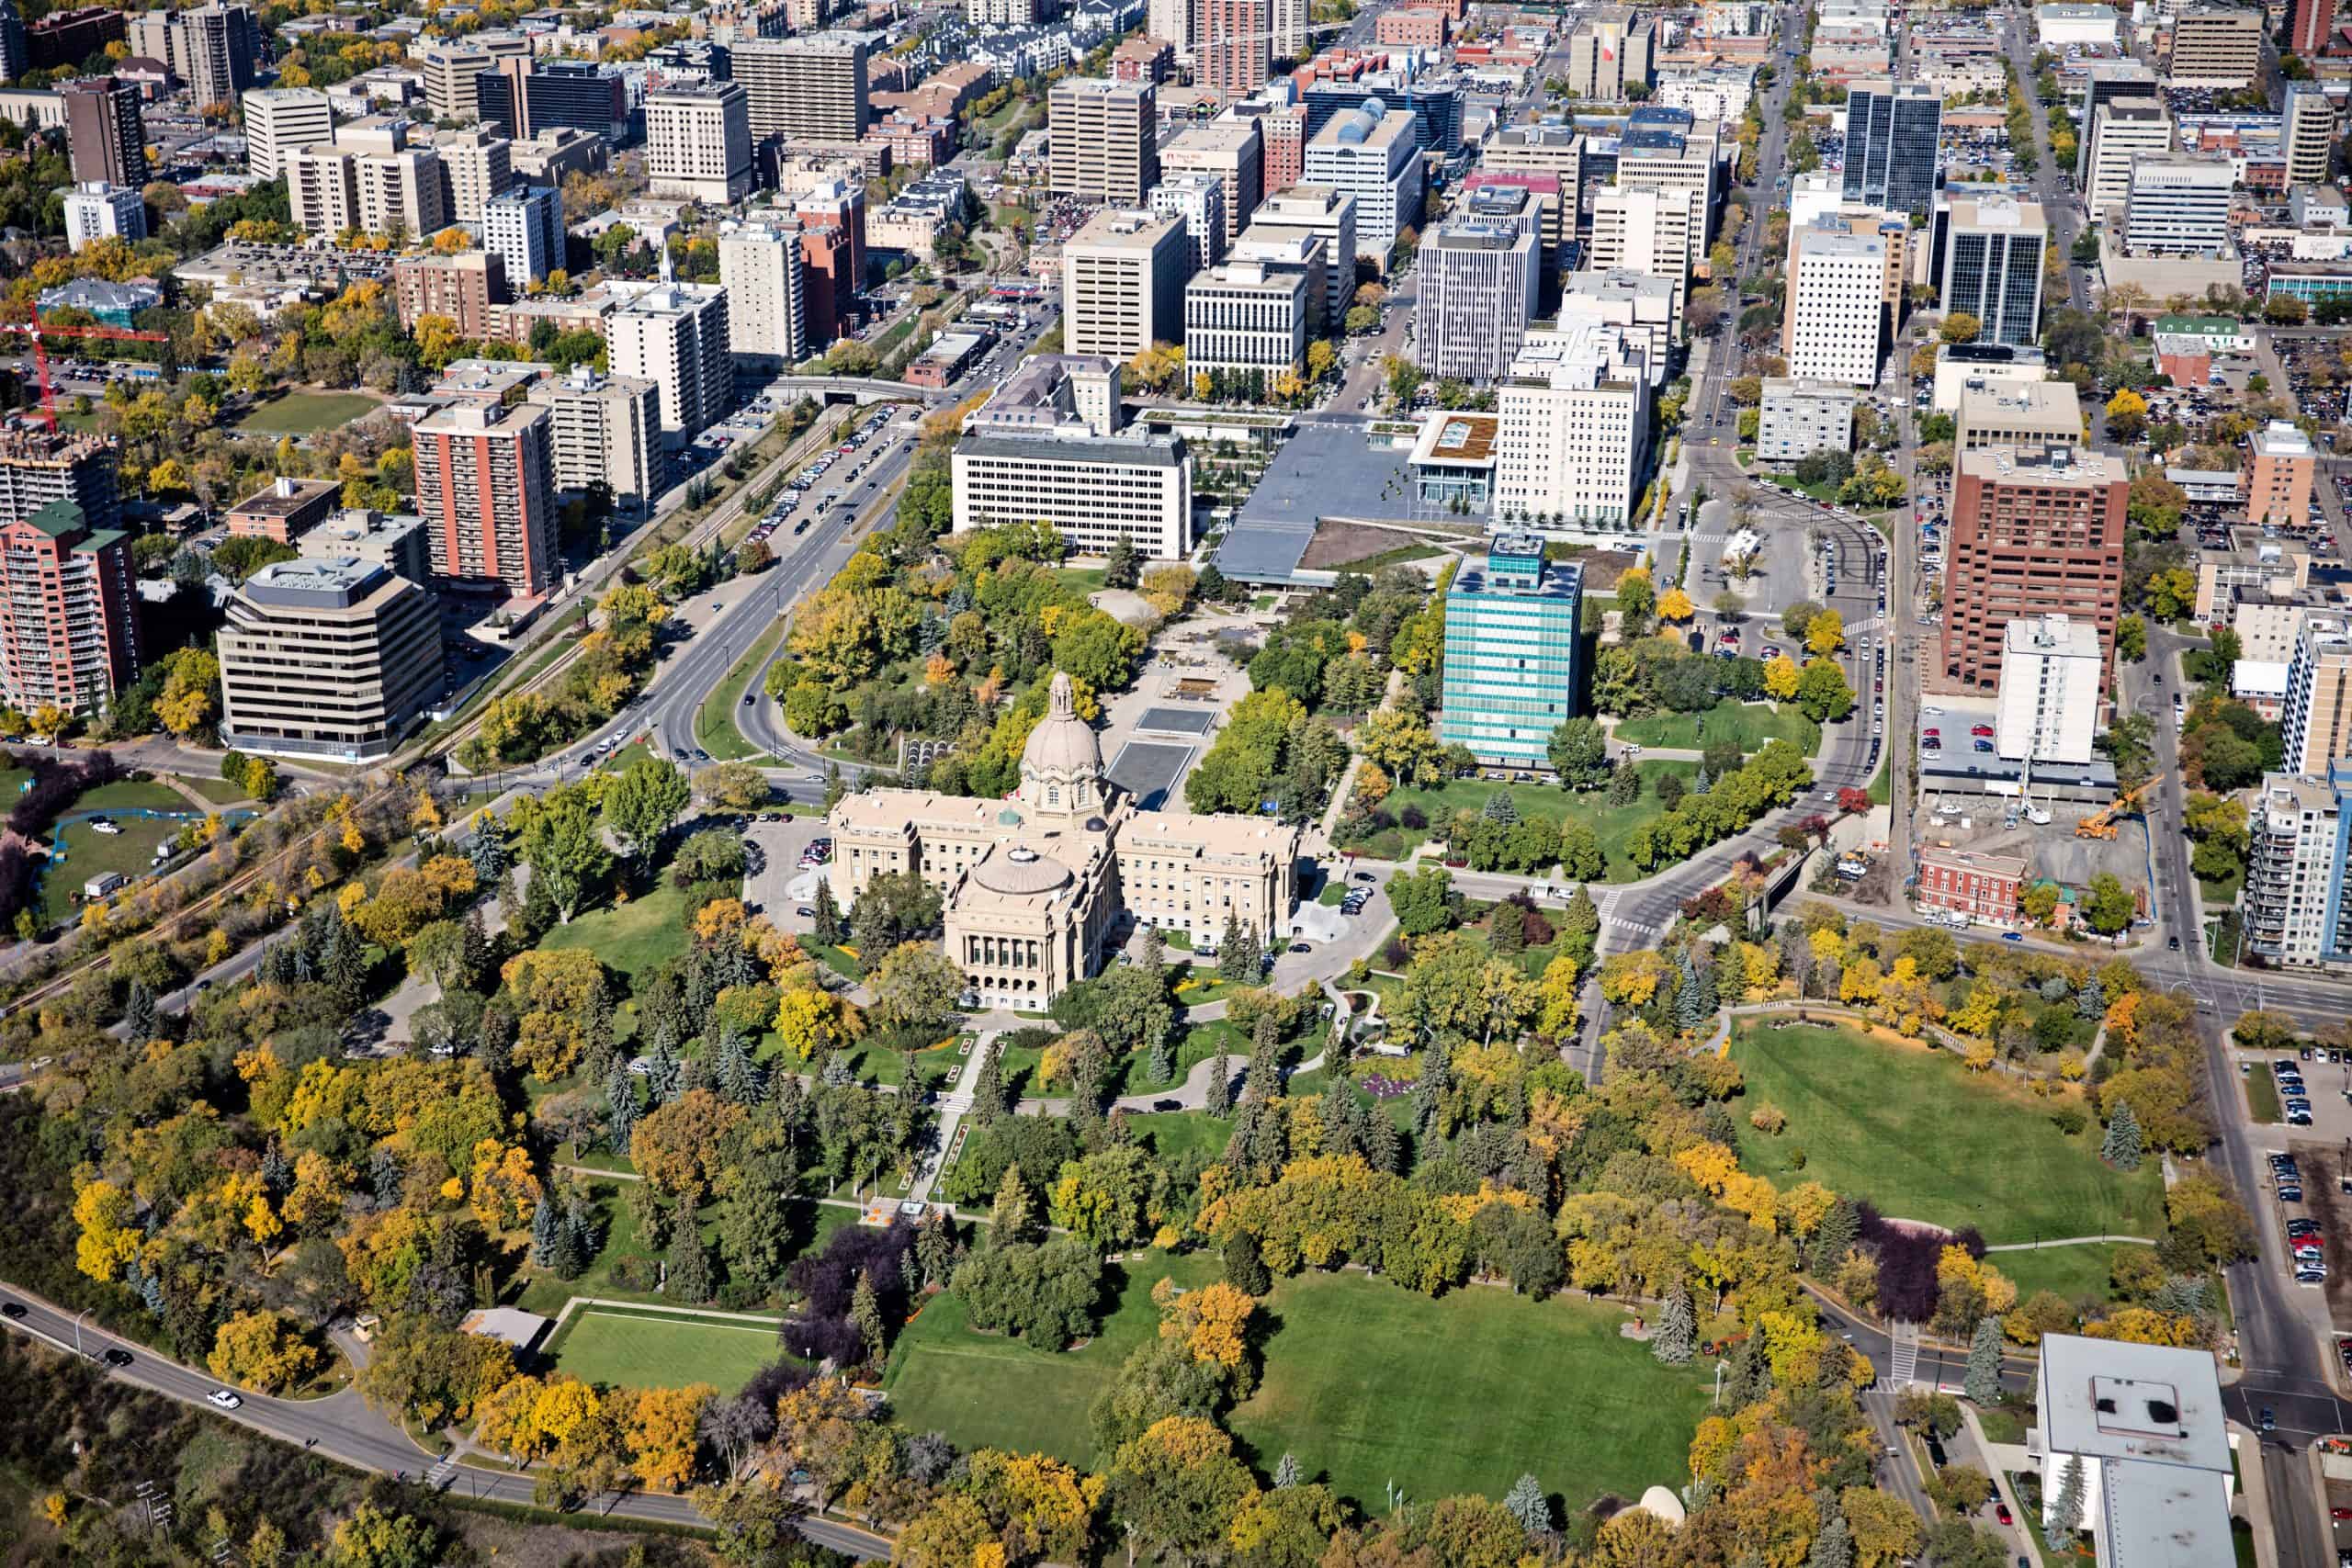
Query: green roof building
pixel 1510 653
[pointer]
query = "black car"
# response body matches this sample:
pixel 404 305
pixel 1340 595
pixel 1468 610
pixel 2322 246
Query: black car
pixel 116 1357
pixel 12 1309
pixel 1168 1105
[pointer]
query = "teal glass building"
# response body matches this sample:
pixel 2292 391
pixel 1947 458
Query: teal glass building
pixel 1510 653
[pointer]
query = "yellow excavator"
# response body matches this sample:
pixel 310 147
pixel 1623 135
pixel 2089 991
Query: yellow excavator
pixel 2100 824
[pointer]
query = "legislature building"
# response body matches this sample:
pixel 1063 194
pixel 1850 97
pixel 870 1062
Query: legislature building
pixel 1036 886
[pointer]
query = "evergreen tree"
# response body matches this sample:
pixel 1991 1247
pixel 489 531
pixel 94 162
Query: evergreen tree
pixel 488 852
pixel 1163 1059
pixel 1383 1146
pixel 2091 1000
pixel 2123 1146
pixel 1834 1546
pixel 1287 1471
pixel 1983 1383
pixel 690 1276
pixel 277 1171
pixel 545 1229
pixel 740 1080
pixel 1253 955
pixel 1687 1016
pixel 620 1107
pixel 2066 1504
pixel 1500 807
pixel 1342 1118
pixel 576 1241
pixel 837 1074
pixel 988 1091
pixel 865 1312
pixel 1529 1506
pixel 138 1013
pixel 387 1177
pixel 1701 785
pixel 934 1250
pixel 1228 950
pixel 1834 1237
pixel 1710 999
pixel 151 1294
pixel 1124 569
pixel 1245 1267
pixel 1624 784
pixel 665 1076
pixel 1220 1086
pixel 1675 1338
pixel 829 914
pixel 1265 1051
pixel 477 952
pixel 1507 932
pixel 1155 952
pixel 1580 924
pixel 1014 1216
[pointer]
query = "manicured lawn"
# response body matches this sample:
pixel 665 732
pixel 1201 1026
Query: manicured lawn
pixel 221 792
pixel 2077 1273
pixel 79 853
pixel 1085 578
pixel 1613 823
pixel 1365 1382
pixel 1883 786
pixel 631 937
pixel 306 413
pixel 2224 890
pixel 628 1349
pixel 1750 724
pixel 715 729
pixel 2262 1092
pixel 1916 1133
pixel 1172 1135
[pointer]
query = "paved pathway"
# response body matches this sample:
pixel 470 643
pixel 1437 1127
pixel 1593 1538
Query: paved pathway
pixel 2069 1240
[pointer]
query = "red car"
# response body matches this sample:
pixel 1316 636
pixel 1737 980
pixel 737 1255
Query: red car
pixel 1932 734
pixel 1981 730
pixel 2340 1513
pixel 2001 1512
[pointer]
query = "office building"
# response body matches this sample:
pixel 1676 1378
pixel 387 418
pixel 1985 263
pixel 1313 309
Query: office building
pixel 1796 419
pixel 69 627
pixel 810 88
pixel 1230 151
pixel 1198 202
pixel 99 211
pixel 210 48
pixel 1510 643
pixel 1070 396
pixel 2017 414
pixel 1970 881
pixel 1610 51
pixel 2307 132
pixel 2316 724
pixel 1170 22
pixel 1837 305
pixel 699 143
pixel 15 56
pixel 2103 81
pixel 1235 51
pixel 450 71
pixel 485 488
pixel 524 228
pixel 1452 464
pixel 278 121
pixel 1330 216
pixel 1575 438
pixel 1522 154
pixel 105 138
pixel 1377 160
pixel 2122 130
pixel 2311 28
pixel 676 337
pixel 1101 139
pixel 1293 253
pixel 392 541
pixel 1992 250
pixel 528 99
pixel 1096 492
pixel 475 166
pixel 2177 207
pixel 1669 149
pixel 2052 687
pixel 2294 909
pixel 2145 1430
pixel 1478 295
pixel 760 267
pixel 2275 486
pixel 1245 318
pixel 2216 46
pixel 335 658
pixel 285 511
pixel 1892 132
pixel 2035 531
pixel 461 288
pixel 1658 233
pixel 1123 284
pixel 605 429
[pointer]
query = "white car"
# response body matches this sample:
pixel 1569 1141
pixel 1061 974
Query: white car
pixel 221 1399
pixel 101 825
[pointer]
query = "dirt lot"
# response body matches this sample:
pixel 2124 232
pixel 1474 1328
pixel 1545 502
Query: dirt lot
pixel 1338 544
pixel 2325 1201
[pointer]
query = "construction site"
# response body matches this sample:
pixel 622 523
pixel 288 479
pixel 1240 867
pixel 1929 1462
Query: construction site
pixel 1979 855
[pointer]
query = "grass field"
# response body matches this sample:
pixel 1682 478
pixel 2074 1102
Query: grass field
pixel 2262 1092
pixel 221 792
pixel 631 937
pixel 86 853
pixel 1172 1135
pixel 715 729
pixel 601 1345
pixel 1363 1381
pixel 1750 724
pixel 546 1294
pixel 1916 1133
pixel 1883 786
pixel 2077 1273
pixel 307 413
pixel 1613 823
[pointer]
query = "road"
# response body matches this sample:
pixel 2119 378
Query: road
pixel 2060 206
pixel 346 1429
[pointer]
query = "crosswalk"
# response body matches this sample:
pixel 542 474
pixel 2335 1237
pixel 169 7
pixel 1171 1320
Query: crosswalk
pixel 1905 1339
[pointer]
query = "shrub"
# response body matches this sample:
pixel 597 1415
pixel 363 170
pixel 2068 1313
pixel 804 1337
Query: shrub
pixel 2070 1119
pixel 1768 1119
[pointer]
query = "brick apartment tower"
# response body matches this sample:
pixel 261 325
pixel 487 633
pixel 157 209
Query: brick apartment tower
pixel 69 631
pixel 2035 531
pixel 2307 34
pixel 485 486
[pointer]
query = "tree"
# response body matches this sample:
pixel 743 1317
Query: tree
pixel 1984 1380
pixel 563 848
pixel 2107 905
pixel 916 985
pixel 1825 632
pixel 2131 639
pixel 263 1350
pixel 1674 606
pixel 1423 900
pixel 1961 327
pixel 1014 1216
pixel 1177 1486
pixel 2066 1503
pixel 1781 677
pixel 2123 1146
pixel 1675 1338
pixel 1579 752
pixel 1823 694
pixel 642 804
pixel 1529 1506
pixel 1123 568
pixel 1834 1546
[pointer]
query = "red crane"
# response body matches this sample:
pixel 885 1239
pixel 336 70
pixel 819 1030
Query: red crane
pixel 39 330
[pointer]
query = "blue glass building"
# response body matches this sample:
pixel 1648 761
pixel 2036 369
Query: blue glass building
pixel 1510 653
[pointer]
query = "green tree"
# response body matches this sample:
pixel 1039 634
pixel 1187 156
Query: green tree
pixel 2107 905
pixel 1675 1338
pixel 563 847
pixel 1984 1380
pixel 644 801
pixel 2123 1146
pixel 1579 753
pixel 1423 900
pixel 2131 639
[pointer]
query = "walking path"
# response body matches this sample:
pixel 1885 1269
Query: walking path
pixel 765 1320
pixel 2069 1240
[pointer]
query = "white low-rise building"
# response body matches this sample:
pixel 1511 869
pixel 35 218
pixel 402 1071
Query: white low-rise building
pixel 1795 419
pixel 2050 679
pixel 2144 1427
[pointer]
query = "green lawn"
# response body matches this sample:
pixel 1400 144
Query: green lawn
pixel 80 853
pixel 1613 823
pixel 2262 1092
pixel 307 413
pixel 1172 1135
pixel 631 937
pixel 715 729
pixel 1916 1133
pixel 1750 724
pixel 2222 891
pixel 626 1350
pixel 1365 1382
pixel 1085 578
pixel 1883 786
pixel 623 1259
pixel 2077 1273
pixel 221 792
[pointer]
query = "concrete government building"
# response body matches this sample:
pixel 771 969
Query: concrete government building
pixel 1035 885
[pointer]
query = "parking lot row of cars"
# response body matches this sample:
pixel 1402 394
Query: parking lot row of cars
pixel 2306 1249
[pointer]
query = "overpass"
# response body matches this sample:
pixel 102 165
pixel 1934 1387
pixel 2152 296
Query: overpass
pixel 862 389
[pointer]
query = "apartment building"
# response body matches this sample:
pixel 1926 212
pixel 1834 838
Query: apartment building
pixel 605 429
pixel 1836 306
pixel 285 510
pixel 699 143
pixel 1235 49
pixel 2035 531
pixel 106 138
pixel 2293 911
pixel 767 320
pixel 1478 295
pixel 96 212
pixel 1123 284
pixel 278 121
pixel 69 629
pixel 523 226
pixel 477 166
pixel 2307 129
pixel 1511 634
pixel 463 288
pixel 675 335
pixel 1796 419
pixel 1102 140
pixel 2275 486
pixel 2315 725
pixel 1574 444
pixel 37 466
pixel 327 657
pixel 2052 686
pixel 210 48
pixel 809 88
pixel 485 488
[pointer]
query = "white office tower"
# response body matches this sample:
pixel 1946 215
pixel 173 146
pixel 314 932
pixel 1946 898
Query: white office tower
pixel 2121 131
pixel 1650 230
pixel 699 143
pixel 1250 316
pixel 675 335
pixel 767 298
pixel 2052 676
pixel 1477 294
pixel 1376 158
pixel 524 228
pixel 1198 201
pixel 606 430
pixel 1574 440
pixel 280 120
pixel 1838 295
pixel 96 211
pixel 2179 206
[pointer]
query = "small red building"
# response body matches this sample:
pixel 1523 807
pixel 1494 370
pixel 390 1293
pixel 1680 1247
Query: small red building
pixel 1981 886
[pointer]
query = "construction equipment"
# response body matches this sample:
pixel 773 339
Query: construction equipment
pixel 2100 824
pixel 41 331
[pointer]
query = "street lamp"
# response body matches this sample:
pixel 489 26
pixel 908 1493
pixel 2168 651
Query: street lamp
pixel 77 1329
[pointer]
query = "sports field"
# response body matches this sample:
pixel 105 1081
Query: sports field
pixel 307 413
pixel 612 1345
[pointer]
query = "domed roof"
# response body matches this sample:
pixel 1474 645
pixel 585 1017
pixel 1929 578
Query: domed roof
pixel 1664 1504
pixel 1062 742
pixel 1021 871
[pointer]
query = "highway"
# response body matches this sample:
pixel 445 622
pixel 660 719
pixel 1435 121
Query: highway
pixel 346 1429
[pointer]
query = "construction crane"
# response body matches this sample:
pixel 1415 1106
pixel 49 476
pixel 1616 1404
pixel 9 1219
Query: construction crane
pixel 40 332
pixel 2100 824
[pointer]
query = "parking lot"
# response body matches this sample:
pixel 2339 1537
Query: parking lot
pixel 808 496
